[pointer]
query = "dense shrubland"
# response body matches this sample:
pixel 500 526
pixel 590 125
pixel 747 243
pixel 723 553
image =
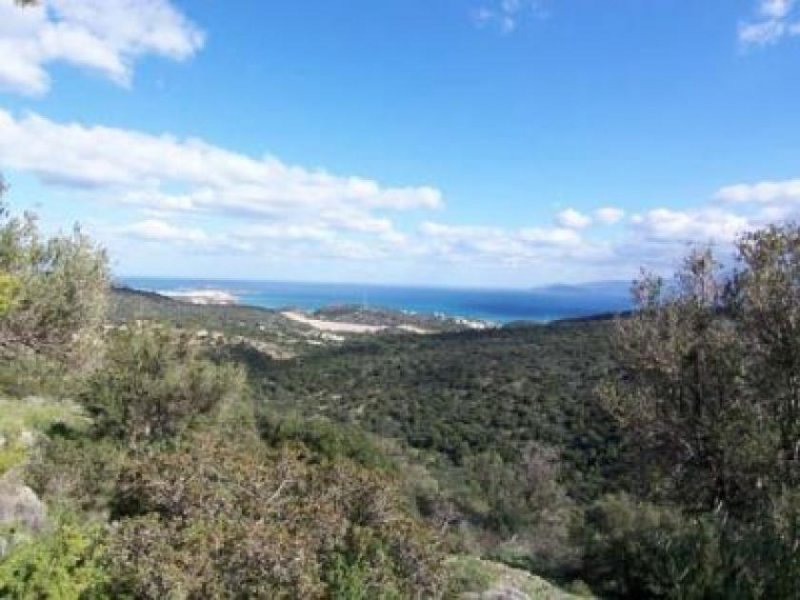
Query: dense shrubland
pixel 217 518
pixel 159 478
pixel 672 434
pixel 651 457
pixel 505 428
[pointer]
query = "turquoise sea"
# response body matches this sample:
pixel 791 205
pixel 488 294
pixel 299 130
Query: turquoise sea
pixel 497 305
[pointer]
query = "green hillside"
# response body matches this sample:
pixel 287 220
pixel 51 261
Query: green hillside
pixel 157 449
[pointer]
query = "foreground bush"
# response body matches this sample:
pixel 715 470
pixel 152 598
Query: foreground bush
pixel 153 384
pixel 65 562
pixel 636 549
pixel 639 550
pixel 222 519
pixel 75 469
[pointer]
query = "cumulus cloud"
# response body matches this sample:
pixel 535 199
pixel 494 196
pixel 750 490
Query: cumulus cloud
pixel 280 209
pixel 763 192
pixel 609 215
pixel 529 245
pixel 573 219
pixel 145 170
pixel 691 226
pixel 274 209
pixel 766 201
pixel 103 36
pixel 654 238
pixel 774 20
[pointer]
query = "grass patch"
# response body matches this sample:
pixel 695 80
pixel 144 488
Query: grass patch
pixel 23 420
pixel 470 575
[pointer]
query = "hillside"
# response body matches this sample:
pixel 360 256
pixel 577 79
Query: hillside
pixel 446 405
pixel 278 333
pixel 462 394
pixel 345 453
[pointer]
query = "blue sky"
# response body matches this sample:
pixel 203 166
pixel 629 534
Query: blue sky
pixel 453 142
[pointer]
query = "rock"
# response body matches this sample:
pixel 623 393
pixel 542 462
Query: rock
pixel 504 583
pixel 27 438
pixel 504 593
pixel 36 400
pixel 19 504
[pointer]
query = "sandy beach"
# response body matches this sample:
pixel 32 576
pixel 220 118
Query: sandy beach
pixel 332 326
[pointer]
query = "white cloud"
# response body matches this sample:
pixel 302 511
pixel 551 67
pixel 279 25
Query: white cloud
pixel 775 9
pixel 104 36
pixel 285 232
pixel 276 241
pixel 609 215
pixel 357 221
pixel 551 236
pixel 774 20
pixel 506 14
pixel 763 192
pixel 277 209
pixel 146 170
pixel 654 238
pixel 269 207
pixel 766 201
pixel 573 219
pixel 161 231
pixel 691 226
pixel 530 245
pixel 762 32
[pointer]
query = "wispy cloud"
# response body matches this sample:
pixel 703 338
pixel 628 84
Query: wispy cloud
pixel 773 20
pixel 104 36
pixel 506 14
pixel 770 21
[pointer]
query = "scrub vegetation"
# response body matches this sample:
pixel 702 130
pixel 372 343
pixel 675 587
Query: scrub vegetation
pixel 650 456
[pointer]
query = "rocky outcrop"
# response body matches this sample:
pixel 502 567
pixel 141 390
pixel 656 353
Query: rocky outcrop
pixel 19 504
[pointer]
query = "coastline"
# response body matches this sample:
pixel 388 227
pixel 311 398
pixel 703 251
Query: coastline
pixel 467 308
pixel 333 319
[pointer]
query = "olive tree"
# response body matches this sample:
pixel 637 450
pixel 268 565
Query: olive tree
pixel 708 396
pixel 53 290
pixel 682 397
pixel 766 304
